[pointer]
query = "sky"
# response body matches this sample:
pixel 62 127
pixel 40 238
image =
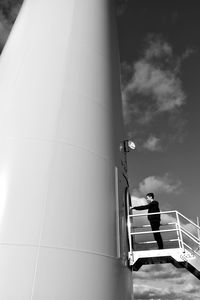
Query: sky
pixel 160 62
pixel 160 69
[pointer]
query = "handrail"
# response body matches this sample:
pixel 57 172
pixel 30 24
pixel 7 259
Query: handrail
pixel 179 228
pixel 192 249
pixel 156 213
pixel 189 233
pixel 143 226
pixel 190 221
pixel 166 212
pixel 190 236
pixel 154 231
pixel 180 235
pixel 153 242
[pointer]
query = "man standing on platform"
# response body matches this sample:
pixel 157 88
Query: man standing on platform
pixel 154 219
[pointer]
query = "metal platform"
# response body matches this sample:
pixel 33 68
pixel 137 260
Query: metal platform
pixel 180 237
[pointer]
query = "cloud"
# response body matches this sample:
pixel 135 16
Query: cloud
pixel 170 293
pixel 190 288
pixel 147 292
pixel 162 87
pixel 137 200
pixel 152 89
pixel 157 184
pixel 152 144
pixel 157 48
pixel 164 282
pixel 155 77
pixel 161 272
pixel 188 52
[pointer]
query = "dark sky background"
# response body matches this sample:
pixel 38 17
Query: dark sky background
pixel 159 44
pixel 167 141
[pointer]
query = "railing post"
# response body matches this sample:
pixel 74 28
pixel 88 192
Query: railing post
pixel 180 232
pixel 129 234
pixel 128 221
pixel 178 235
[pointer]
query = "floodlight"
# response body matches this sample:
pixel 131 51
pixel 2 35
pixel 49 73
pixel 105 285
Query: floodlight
pixel 131 144
pixel 126 145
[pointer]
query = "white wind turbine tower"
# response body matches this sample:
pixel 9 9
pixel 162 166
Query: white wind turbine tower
pixel 61 188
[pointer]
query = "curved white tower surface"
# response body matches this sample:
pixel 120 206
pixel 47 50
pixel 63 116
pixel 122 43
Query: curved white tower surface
pixel 60 128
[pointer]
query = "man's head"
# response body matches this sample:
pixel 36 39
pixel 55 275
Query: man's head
pixel 150 197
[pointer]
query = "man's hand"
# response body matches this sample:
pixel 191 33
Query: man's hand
pixel 130 210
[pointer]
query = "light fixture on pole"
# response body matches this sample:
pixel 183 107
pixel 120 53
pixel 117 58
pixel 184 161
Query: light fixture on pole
pixel 127 145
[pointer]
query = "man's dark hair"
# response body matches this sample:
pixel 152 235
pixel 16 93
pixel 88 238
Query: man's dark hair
pixel 150 195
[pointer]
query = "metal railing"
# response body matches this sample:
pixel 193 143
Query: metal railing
pixel 177 232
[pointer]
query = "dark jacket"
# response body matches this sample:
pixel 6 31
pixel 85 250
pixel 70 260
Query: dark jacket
pixel 152 208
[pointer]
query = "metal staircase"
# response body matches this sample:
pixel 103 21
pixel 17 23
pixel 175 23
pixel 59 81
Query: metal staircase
pixel 181 238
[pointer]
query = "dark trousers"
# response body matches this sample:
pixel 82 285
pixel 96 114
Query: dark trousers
pixel 155 225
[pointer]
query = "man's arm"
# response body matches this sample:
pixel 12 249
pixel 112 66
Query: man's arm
pixel 141 207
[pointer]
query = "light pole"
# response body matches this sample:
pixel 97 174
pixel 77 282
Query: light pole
pixel 125 147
